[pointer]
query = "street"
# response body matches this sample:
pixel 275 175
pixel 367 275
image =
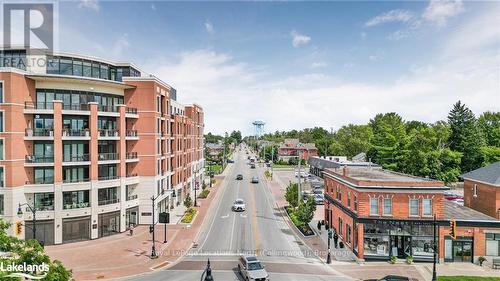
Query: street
pixel 259 230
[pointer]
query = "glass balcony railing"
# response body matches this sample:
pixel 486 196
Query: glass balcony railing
pixel 48 180
pixel 107 108
pixel 132 155
pixel 131 175
pixel 39 132
pixel 76 205
pixel 41 208
pixel 82 107
pixel 106 178
pixel 74 180
pixel 75 133
pixel 131 133
pixel 39 159
pixel 132 197
pixel 38 105
pixel 76 158
pixel 108 156
pixel 131 110
pixel 108 201
pixel 109 133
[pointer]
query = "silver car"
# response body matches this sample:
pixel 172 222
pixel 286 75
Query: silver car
pixel 250 268
pixel 239 205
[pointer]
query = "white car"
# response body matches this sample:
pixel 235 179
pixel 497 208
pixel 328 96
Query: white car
pixel 239 205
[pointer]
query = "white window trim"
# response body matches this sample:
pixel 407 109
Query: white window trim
pixel 409 207
pixel 383 207
pixel 474 189
pixel 378 206
pixel 423 207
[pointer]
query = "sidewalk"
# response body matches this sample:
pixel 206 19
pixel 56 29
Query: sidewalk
pixel 123 255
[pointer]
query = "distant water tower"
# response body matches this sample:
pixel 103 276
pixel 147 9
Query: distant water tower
pixel 258 126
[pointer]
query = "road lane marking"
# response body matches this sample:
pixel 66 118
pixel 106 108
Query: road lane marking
pixel 243 216
pixel 234 217
pixel 255 226
pixel 225 216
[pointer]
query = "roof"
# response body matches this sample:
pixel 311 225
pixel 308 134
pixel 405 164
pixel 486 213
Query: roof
pixel 323 162
pixel 489 174
pixel 454 211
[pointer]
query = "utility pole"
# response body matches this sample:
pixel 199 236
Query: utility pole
pixel 298 185
pixel 33 211
pixel 152 228
pixel 434 277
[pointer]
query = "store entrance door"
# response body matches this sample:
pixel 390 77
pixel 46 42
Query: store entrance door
pixel 462 251
pixel 401 246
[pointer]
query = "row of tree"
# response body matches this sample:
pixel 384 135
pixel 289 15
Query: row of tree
pixel 441 150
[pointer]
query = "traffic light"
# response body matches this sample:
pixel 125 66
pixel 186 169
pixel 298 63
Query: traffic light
pixel 18 228
pixel 151 229
pixel 453 229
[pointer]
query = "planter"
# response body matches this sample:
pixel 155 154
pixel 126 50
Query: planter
pixel 306 231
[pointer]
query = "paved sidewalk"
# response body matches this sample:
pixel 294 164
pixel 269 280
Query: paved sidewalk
pixel 123 255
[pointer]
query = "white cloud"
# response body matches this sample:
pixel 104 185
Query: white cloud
pixel 89 4
pixel 318 64
pixel 390 16
pixel 120 45
pixel 375 57
pixel 439 11
pixel 209 27
pixel 299 39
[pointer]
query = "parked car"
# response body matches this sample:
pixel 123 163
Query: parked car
pixel 319 199
pixel 239 177
pixel 252 166
pixel 255 180
pixel 250 268
pixel 317 191
pixel 393 278
pixel 239 205
pixel 230 161
pixel 268 164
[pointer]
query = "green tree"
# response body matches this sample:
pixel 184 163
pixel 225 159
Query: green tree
pixel 188 202
pixel 465 137
pixel 269 152
pixel 490 154
pixel 489 123
pixel 236 136
pixel 291 195
pixel 354 139
pixel 305 211
pixel 389 137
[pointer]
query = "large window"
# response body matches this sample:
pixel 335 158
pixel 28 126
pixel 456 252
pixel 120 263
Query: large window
pixel 108 196
pixel 2 208
pixel 414 210
pixel 107 172
pixel 387 210
pixel 75 174
pixel 44 201
pixel 1 149
pixel 1 121
pixel 1 92
pixel 2 175
pixel 374 206
pixel 493 244
pixel 74 151
pixel 44 175
pixel 76 199
pixel 376 245
pixel 427 207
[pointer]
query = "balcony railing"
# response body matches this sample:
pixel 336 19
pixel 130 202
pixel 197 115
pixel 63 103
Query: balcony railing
pixel 131 110
pixel 76 158
pixel 132 155
pixel 38 105
pixel 108 156
pixel 108 201
pixel 109 133
pixel 82 107
pixel 76 180
pixel 106 178
pixel 76 205
pixel 39 132
pixel 41 208
pixel 75 133
pixel 41 181
pixel 132 197
pixel 131 175
pixel 39 159
pixel 107 108
pixel 131 133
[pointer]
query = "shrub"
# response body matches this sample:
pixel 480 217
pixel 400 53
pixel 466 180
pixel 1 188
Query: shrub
pixel 188 202
pixel 204 193
pixel 409 259
pixel 268 174
pixel 394 259
pixel 189 215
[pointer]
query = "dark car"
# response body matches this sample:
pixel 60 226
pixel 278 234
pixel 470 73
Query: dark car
pixel 252 166
pixel 239 177
pixel 255 180
pixel 230 161
pixel 393 278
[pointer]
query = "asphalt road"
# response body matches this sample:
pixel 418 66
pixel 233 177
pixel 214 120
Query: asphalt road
pixel 259 230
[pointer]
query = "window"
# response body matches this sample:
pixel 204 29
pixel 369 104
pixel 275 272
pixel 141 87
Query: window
pixel 427 207
pixel 1 121
pixel 76 174
pixel 1 149
pixel 1 92
pixel 492 244
pixel 77 67
pixel 107 172
pixel 44 201
pixel 373 206
pixel 44 175
pixel 341 227
pixel 414 211
pixel 474 190
pixel 387 206
pixel 355 202
pixel 348 233
pixel 2 175
pixel 339 193
pixel 349 199
pixel 76 199
pixel 87 69
pixel 108 196
pixel 66 67
pixel 2 205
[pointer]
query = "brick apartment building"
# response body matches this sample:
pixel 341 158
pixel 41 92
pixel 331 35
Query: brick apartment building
pixel 87 142
pixel 293 148
pixel 482 190
pixel 380 213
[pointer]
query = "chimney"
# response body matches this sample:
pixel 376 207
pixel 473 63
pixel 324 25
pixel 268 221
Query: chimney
pixel 345 171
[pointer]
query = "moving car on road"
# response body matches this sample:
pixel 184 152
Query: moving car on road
pixel 239 205
pixel 255 180
pixel 319 199
pixel 250 268
pixel 252 166
pixel 239 177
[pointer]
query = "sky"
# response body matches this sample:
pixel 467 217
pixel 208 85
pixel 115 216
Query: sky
pixel 298 65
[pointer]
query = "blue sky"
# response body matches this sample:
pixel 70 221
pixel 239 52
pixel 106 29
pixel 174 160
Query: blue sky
pixel 301 64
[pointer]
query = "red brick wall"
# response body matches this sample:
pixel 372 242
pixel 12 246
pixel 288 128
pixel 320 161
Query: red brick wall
pixel 487 200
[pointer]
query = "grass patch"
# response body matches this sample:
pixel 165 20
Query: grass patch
pixel 204 193
pixel 467 278
pixel 215 168
pixel 189 215
pixel 282 166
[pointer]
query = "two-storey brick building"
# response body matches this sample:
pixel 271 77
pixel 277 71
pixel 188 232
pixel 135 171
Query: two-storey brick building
pixel 482 190
pixel 379 214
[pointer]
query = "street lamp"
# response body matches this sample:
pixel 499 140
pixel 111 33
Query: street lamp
pixel 434 277
pixel 152 227
pixel 33 211
pixel 207 273
pixel 328 257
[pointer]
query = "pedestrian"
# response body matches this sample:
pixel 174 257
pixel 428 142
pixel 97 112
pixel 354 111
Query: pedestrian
pixel 131 229
pixel 319 226
pixel 335 239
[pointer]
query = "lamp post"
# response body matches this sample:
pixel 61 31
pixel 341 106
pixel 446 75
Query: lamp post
pixel 207 273
pixel 329 257
pixel 434 277
pixel 152 227
pixel 195 187
pixel 33 211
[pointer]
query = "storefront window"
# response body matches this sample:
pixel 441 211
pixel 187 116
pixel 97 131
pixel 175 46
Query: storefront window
pixel 376 245
pixel 492 244
pixel 422 246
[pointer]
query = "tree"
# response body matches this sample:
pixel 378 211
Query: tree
pixel 236 136
pixel 291 195
pixel 269 152
pixel 188 202
pixel 490 154
pixel 465 137
pixel 29 252
pixel 211 138
pixel 354 139
pixel 489 123
pixel 305 211
pixel 389 138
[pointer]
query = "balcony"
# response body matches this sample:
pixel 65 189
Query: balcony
pixel 76 180
pixel 132 157
pixel 108 157
pixel 131 112
pixel 40 181
pixel 38 105
pixel 132 197
pixel 109 134
pixel 38 160
pixel 131 135
pixel 76 107
pixel 39 134
pixel 108 201
pixel 107 108
pixel 107 178
pixel 41 208
pixel 76 205
pixel 76 133
pixel 76 158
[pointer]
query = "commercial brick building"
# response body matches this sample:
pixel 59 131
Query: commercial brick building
pixel 380 213
pixel 87 142
pixel 293 148
pixel 482 190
